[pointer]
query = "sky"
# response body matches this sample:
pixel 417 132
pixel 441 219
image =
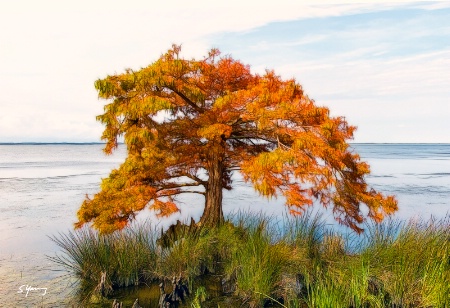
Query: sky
pixel 385 66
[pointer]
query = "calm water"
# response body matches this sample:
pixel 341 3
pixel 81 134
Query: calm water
pixel 42 186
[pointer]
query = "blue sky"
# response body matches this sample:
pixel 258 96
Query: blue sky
pixel 385 66
pixel 387 71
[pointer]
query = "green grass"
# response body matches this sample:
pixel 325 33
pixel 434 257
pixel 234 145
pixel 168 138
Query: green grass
pixel 297 261
pixel 122 256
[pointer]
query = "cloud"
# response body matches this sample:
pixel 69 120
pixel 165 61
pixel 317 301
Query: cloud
pixel 377 69
pixel 376 94
pixel 433 5
pixel 53 51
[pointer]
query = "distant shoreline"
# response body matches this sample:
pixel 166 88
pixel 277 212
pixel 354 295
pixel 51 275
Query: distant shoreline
pixel 52 143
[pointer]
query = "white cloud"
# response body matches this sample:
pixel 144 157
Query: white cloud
pixel 433 5
pixel 376 96
pixel 53 51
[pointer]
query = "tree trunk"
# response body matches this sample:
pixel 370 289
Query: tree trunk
pixel 213 215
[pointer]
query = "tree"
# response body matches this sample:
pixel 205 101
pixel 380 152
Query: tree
pixel 188 124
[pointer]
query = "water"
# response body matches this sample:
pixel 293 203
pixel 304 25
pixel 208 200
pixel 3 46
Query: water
pixel 42 186
pixel 418 174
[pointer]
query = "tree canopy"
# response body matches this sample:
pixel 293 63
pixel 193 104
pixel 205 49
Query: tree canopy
pixel 189 124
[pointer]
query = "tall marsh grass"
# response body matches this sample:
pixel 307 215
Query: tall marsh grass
pixel 122 257
pixel 291 262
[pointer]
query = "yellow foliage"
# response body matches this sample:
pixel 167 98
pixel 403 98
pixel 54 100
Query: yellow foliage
pixel 215 131
pixel 180 118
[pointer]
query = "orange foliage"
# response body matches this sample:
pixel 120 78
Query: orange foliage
pixel 220 117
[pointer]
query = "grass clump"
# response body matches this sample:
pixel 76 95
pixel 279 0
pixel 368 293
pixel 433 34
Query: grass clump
pixel 289 262
pixel 106 262
pixel 412 261
pixel 258 263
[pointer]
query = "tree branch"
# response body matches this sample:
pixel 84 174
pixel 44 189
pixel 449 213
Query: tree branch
pixel 181 192
pixel 177 185
pixel 195 178
pixel 188 101
pixel 253 138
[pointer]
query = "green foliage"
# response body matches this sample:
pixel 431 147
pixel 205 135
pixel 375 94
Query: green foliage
pixel 412 261
pixel 194 253
pixel 259 262
pixel 298 259
pixel 123 256
pixel 326 293
pixel 199 298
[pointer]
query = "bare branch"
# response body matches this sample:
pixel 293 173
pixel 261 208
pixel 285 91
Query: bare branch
pixel 177 185
pixel 182 192
pixel 195 178
pixel 188 101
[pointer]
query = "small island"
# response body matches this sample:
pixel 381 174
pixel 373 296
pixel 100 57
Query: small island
pixel 188 125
